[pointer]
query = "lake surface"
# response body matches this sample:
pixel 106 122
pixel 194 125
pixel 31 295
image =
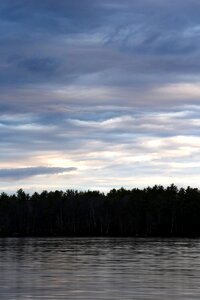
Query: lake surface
pixel 99 268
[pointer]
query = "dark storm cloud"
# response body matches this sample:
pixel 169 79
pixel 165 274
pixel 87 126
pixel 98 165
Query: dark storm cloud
pixel 20 173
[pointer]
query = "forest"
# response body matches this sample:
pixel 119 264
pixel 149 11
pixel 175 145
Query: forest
pixel 149 212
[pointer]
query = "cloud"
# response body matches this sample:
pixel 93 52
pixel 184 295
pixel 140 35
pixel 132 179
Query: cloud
pixel 45 65
pixel 49 47
pixel 21 173
pixel 108 87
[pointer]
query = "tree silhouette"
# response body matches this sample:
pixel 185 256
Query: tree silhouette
pixel 153 211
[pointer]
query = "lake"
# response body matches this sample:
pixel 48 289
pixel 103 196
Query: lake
pixel 99 268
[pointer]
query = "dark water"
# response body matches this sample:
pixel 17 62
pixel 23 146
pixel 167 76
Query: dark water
pixel 88 268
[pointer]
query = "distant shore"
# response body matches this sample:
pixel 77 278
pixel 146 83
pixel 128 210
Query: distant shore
pixel 150 212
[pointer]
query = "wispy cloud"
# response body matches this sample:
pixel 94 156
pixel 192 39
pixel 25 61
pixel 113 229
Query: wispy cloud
pixel 21 173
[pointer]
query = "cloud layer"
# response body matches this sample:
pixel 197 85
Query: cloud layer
pixel 109 88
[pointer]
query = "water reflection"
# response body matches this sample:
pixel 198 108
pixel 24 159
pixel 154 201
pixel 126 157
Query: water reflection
pixel 99 268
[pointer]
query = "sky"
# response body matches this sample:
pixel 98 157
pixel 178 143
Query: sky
pixel 99 94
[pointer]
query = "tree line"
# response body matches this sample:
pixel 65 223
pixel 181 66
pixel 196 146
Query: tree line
pixel 152 211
